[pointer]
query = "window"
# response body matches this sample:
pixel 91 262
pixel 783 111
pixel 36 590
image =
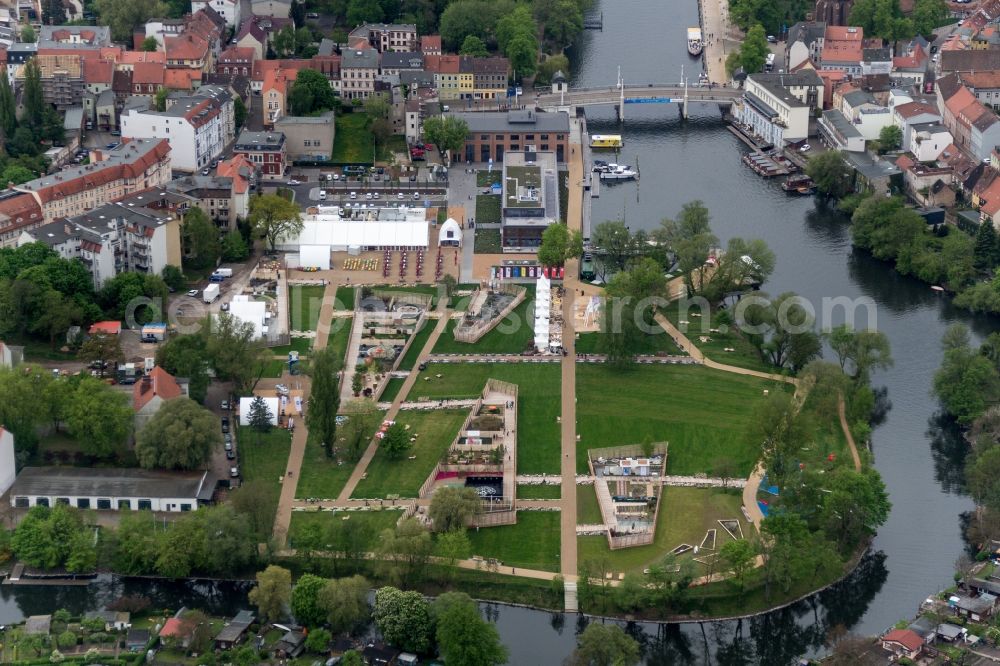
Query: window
pixel 529 137
pixel 103 503
pixel 83 502
pixel 515 137
pixel 21 502
pixel 41 501
pixel 62 500
pixel 185 507
pixel 125 505
pixel 145 505
pixel 545 137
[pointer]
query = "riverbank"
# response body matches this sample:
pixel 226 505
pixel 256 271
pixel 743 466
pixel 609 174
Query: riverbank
pixel 721 38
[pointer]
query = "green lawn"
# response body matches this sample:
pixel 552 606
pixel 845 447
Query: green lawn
pixel 419 340
pixel 487 241
pixel 702 413
pixel 538 406
pixel 745 356
pixel 588 511
pixel 487 209
pixel 647 344
pixel 329 521
pixel 392 389
pixel 340 335
pixel 533 543
pixel 345 298
pixel 437 430
pixel 274 367
pixel 396 143
pixel 353 142
pixel 539 492
pixel 264 457
pixel 304 302
pixel 685 516
pixel 301 345
pixel 510 336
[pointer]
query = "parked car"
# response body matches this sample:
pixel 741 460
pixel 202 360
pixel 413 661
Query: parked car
pixel 416 196
pixel 234 472
pixel 376 195
pixel 322 195
pixel 399 196
pixel 281 388
pixel 225 405
pixel 229 446
pixel 354 195
pixel 805 148
pixel 206 171
pixel 294 182
pixel 230 455
pixel 772 39
pixel 193 293
pixel 368 195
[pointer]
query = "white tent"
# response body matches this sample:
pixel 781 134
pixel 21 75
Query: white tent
pixel 316 256
pixel 450 234
pixel 246 310
pixel 339 235
pixel 543 306
pixel 272 406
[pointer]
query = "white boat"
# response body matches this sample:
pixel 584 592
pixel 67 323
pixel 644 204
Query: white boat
pixel 695 43
pixel 618 172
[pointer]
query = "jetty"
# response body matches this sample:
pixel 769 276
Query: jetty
pixel 766 166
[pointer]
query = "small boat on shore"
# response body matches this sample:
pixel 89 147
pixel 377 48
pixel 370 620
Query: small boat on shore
pixel 695 43
pixel 800 184
pixel 618 172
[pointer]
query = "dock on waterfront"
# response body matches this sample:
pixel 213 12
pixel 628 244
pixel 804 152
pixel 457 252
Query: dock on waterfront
pixel 766 166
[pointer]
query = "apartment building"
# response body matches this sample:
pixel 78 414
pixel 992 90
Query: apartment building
pixel 489 77
pixel 114 238
pixel 265 150
pixel 358 71
pixel 493 133
pixel 274 93
pixel 134 165
pixel 18 212
pixel 386 37
pixel 777 107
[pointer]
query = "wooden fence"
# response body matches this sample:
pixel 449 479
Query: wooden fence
pixel 421 322
pixel 405 297
pixel 478 329
pixel 495 518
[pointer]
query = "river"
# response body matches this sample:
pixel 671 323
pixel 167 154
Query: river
pixel 914 552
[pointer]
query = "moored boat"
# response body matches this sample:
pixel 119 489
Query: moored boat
pixel 695 43
pixel 618 172
pixel 800 184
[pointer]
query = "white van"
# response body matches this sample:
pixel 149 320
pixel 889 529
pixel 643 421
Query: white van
pixel 354 195
pixel 322 195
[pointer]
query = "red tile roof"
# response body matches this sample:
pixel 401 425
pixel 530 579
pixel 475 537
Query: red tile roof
pixel 159 382
pixel 279 80
pixel 237 54
pixel 911 109
pixel 904 162
pixel 430 43
pixel 98 71
pixel 174 628
pixel 136 57
pixel 235 168
pixel 181 79
pixel 905 637
pixel 186 47
pixel 144 73
pixel 106 328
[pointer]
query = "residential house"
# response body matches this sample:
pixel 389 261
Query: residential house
pixel 265 150
pixel 804 43
pixel 6 454
pixel 493 133
pixel 393 62
pixel 838 132
pixel 876 61
pixel 215 196
pixel 274 93
pixel 430 44
pixel 358 70
pixel 291 645
pixel 984 85
pixel 863 110
pixel 236 60
pixel 113 239
pixel 101 111
pixel 530 201
pixel 227 9
pixel 905 116
pixel 113 174
pixel 273 8
pixel 115 488
pixel 843 49
pixel 148 78
pixel 967 61
pixel 910 68
pixel 152 391
pixel 73 36
pixel 244 176
pixel 122 88
pixel 976 609
pixel 235 631
pixel 188 51
pixel 251 35
pixel 18 54
pixel 386 37
pixel 873 174
pixel 63 84
pixel 19 211
pixel 307 137
pixel 902 643
pixel 98 75
pixel 113 620
pixel 489 77
pixel 777 107
pixel 927 183
pixel 928 140
pixel 176 632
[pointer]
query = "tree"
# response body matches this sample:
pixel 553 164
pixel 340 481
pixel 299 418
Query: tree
pixel 473 46
pixel 691 240
pixel 830 173
pixel 855 506
pixel 752 54
pixel 32 97
pixel 173 277
pixel 604 645
pixel 890 138
pixel 967 382
pixel 55 537
pixel 200 239
pixel 259 417
pixel 463 637
pixel 454 546
pixel 403 618
pixel 273 217
pixel 235 351
pixel 396 442
pixel 160 99
pixel 562 20
pixel 234 247
pixel 452 508
pixel 311 93
pixel 16 174
pixel 305 600
pixel 929 14
pixel 324 397
pixel 379 110
pixel 986 251
pixel 99 417
pixel 352 658
pixel 239 113
pixel 881 18
pixel 513 24
pixel 8 109
pixel 318 641
pixel 861 351
pixel 344 602
pixel 150 44
pixel 448 133
pixel 186 356
pixel 559 244
pixel 273 592
pixel 406 550
pixel 738 556
pixel 120 294
pixel 983 477
pixel 123 17
pixel 523 54
pixel 616 247
pixel 101 348
pixel 364 11
pixel 28 34
pixel 181 435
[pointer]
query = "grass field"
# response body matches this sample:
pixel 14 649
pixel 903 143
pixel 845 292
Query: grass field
pixel 353 142
pixel 301 345
pixel 487 241
pixel 304 302
pixel 538 405
pixel 745 356
pixel 274 367
pixel 264 457
pixel 487 209
pixel 588 511
pixel 685 515
pixel 590 343
pixel 539 492
pixel 392 389
pixel 340 335
pixel 419 340
pixel 329 521
pixel 510 336
pixel 702 413
pixel 436 430
pixel 533 543
pixel 345 298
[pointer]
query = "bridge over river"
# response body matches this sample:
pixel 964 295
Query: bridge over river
pixel 650 93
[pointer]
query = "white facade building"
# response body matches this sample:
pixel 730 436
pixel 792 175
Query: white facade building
pixel 198 127
pixel 6 460
pixel 228 9
pixel 111 488
pixel 777 107
pixel 928 141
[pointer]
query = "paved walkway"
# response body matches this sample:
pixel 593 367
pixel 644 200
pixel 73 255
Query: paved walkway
pixel 366 458
pixel 289 482
pixel 721 38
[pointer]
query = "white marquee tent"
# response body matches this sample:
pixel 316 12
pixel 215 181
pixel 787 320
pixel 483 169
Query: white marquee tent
pixel 543 306
pixel 450 234
pixel 386 228
pixel 317 256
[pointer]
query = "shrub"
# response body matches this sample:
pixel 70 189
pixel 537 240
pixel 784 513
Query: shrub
pixel 66 640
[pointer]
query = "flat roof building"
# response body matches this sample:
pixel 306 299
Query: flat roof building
pixel 492 134
pixel 530 199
